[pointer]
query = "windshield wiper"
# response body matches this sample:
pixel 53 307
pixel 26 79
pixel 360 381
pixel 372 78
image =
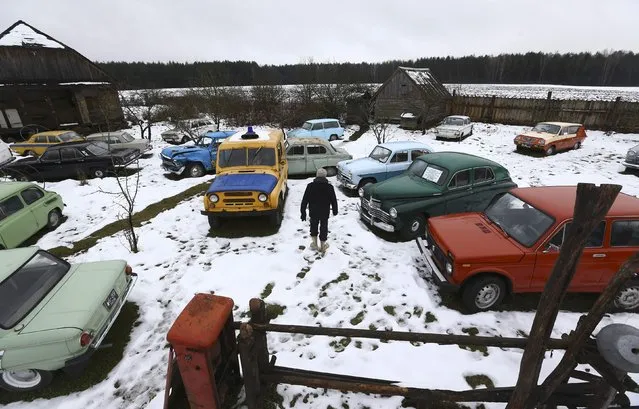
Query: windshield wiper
pixel 496 223
pixel 255 155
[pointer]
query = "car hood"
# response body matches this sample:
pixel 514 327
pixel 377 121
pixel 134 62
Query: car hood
pixel 403 187
pixel 362 165
pixel 470 238
pixel 344 152
pixel 77 298
pixel 540 135
pixel 173 151
pixel 233 182
pixel 449 127
pixel 297 131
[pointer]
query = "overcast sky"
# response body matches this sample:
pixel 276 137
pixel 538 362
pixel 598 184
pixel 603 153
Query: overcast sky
pixel 291 31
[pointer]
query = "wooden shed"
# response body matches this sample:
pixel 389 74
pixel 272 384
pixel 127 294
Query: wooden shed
pixel 411 91
pixel 46 85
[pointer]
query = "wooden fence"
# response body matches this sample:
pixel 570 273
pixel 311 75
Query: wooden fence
pixel 617 115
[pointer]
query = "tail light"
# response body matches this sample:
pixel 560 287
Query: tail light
pixel 128 270
pixel 85 339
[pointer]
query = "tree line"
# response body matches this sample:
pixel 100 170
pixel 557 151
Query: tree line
pixel 618 68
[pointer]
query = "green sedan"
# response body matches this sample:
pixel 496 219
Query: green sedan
pixel 54 315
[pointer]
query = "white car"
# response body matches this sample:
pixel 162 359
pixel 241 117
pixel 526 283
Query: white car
pixel 454 127
pixel 188 129
pixel 5 154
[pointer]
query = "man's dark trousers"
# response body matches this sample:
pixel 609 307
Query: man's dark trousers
pixel 323 227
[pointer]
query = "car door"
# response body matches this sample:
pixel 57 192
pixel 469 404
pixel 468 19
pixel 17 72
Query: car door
pixel 16 223
pixel 592 264
pixel 317 130
pixel 72 162
pixel 483 189
pixel 397 164
pixel 41 143
pixel 458 192
pixel 624 242
pixel 33 198
pixel 49 164
pixel 333 128
pixel 315 157
pixel 296 159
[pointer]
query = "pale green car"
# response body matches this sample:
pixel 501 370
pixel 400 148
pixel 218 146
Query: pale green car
pixel 306 155
pixel 25 209
pixel 54 315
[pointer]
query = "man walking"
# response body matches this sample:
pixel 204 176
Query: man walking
pixel 320 198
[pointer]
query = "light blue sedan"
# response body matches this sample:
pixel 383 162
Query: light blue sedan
pixel 325 128
pixel 385 161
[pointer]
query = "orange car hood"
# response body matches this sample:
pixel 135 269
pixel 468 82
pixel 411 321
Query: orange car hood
pixel 471 238
pixel 541 135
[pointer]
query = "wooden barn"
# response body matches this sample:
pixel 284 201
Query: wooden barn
pixel 46 85
pixel 411 91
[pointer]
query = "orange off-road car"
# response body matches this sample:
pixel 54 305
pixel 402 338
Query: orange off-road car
pixel 511 247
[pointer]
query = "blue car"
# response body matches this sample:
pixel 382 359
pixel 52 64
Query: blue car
pixel 194 160
pixel 385 161
pixel 325 128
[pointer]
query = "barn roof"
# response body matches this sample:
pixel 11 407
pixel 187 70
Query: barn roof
pixel 29 57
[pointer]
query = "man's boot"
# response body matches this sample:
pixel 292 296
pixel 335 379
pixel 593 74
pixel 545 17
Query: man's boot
pixel 314 243
pixel 323 246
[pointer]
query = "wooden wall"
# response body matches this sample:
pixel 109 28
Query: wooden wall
pixel 618 115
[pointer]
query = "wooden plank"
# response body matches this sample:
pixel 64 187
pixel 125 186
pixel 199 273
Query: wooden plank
pixel 591 205
pixel 250 367
pixel 257 309
pixel 428 338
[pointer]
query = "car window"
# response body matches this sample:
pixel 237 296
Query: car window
pixel 317 126
pixel 10 206
pixel 127 137
pixel 460 179
pixel 69 154
pixel 316 150
pixel 331 124
pixel 296 150
pixel 400 157
pixel 41 139
pixel 31 195
pixel 113 140
pixel 417 153
pixel 50 156
pixel 68 137
pixel 594 240
pixel 625 233
pixel 482 175
pixel 53 139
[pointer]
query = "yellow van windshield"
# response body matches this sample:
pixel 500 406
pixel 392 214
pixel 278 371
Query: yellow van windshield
pixel 246 157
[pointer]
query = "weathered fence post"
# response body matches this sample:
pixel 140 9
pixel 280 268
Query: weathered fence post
pixel 609 121
pixel 250 366
pixel 258 316
pixel 586 326
pixel 591 205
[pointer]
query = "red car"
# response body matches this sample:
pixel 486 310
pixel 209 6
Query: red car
pixel 511 247
pixel 552 137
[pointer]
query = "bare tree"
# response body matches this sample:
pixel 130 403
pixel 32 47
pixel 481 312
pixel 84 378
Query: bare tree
pixel 267 103
pixel 141 108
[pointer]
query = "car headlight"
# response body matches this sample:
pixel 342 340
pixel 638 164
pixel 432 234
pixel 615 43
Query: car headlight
pixel 449 268
pixel 632 153
pixel 393 212
pixel 262 197
pixel 213 198
pixel 360 191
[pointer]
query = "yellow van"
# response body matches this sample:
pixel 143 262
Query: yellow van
pixel 252 172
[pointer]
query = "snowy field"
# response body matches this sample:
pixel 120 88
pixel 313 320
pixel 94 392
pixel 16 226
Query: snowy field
pixel 539 91
pixel 362 281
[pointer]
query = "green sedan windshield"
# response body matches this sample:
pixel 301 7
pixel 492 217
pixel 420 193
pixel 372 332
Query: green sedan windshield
pixel 25 288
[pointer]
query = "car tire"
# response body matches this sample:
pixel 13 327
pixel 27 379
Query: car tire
pixel 23 178
pixel 333 138
pixel 98 173
pixel 471 131
pixel 483 293
pixel 577 146
pixel 414 227
pixel 215 222
pixel 551 150
pixel 29 153
pixel 54 219
pixel 195 170
pixel 278 216
pixel 628 298
pixel 331 171
pixel 183 140
pixel 24 381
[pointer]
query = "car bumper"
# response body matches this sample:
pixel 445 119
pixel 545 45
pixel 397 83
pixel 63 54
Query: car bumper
pixel 435 273
pixel 239 213
pixel 531 146
pixel 447 135
pixel 172 169
pixel 76 366
pixel 370 220
pixel 631 165
pixel 345 182
pixel 171 138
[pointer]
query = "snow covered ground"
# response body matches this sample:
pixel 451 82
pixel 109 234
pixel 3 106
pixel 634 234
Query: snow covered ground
pixel 362 281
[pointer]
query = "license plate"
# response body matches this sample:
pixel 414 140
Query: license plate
pixel 111 299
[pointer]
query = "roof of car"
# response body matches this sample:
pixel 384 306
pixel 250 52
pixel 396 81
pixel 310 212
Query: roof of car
pixel 72 143
pixel 559 201
pixel 52 133
pixel 263 135
pixel 101 134
pixel 458 116
pixel 454 161
pixel 561 123
pixel 11 260
pixel 219 134
pixel 300 140
pixel 321 120
pixel 8 188
pixel 404 145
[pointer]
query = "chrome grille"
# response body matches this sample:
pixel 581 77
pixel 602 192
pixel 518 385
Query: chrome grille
pixel 341 175
pixel 238 202
pixel 439 257
pixel 630 158
pixel 373 208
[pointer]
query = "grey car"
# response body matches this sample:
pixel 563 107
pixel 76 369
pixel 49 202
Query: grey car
pixel 122 140
pixel 632 158
pixel 306 155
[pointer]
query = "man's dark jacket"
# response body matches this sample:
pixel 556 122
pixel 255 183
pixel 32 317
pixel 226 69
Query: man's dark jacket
pixel 319 197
